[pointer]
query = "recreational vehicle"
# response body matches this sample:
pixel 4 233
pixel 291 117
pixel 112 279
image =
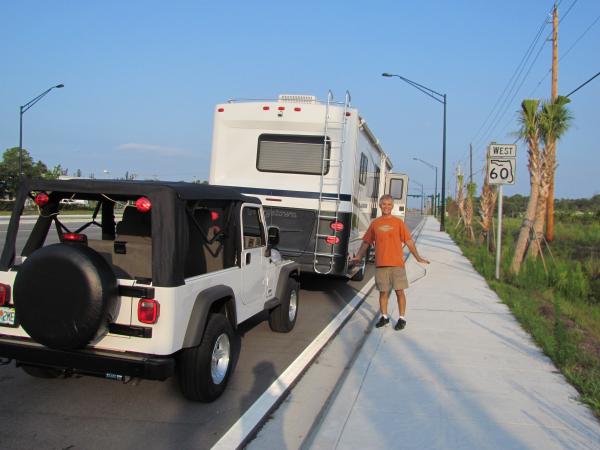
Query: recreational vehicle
pixel 315 165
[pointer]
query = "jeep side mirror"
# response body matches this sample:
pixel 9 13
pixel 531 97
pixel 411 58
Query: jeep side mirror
pixel 273 236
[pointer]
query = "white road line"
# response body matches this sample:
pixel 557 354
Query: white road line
pixel 251 419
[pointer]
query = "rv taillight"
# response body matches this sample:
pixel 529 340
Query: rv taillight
pixel 143 204
pixel 148 310
pixel 4 294
pixel 297 109
pixel 281 108
pixel 266 108
pixel 332 240
pixel 74 237
pixel 41 199
pixel 221 109
pixel 336 226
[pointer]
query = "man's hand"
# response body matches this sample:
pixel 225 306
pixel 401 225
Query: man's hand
pixel 421 260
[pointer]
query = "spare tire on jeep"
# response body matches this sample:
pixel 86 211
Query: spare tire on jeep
pixel 65 295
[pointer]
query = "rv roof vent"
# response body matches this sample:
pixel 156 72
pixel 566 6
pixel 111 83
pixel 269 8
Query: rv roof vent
pixel 297 98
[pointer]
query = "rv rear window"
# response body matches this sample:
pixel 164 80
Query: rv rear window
pixel 292 154
pixel 397 188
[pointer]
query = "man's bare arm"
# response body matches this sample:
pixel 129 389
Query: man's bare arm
pixel 413 249
pixel 361 252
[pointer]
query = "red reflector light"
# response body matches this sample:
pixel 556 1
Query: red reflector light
pixel 297 109
pixel 336 226
pixel 266 108
pixel 148 310
pixel 74 237
pixel 214 215
pixel 332 240
pixel 41 199
pixel 221 109
pixel 347 114
pixel 281 108
pixel 143 204
pixel 4 294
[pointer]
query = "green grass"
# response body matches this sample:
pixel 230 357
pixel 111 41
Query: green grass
pixel 559 306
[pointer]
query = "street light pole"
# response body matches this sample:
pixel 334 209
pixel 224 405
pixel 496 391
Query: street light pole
pixel 22 110
pixel 434 204
pixel 443 99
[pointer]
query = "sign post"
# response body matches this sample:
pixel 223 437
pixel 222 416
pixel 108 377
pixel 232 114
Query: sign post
pixel 501 170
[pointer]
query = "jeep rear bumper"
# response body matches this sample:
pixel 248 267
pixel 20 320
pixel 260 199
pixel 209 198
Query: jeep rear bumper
pixel 91 361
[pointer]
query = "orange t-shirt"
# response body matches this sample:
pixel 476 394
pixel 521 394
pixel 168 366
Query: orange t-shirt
pixel 389 234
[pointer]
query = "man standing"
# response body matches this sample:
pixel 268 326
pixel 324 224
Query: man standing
pixel 389 233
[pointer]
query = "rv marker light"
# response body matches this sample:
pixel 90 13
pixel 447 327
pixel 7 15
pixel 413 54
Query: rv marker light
pixel 266 108
pixel 221 109
pixel 281 108
pixel 336 226
pixel 332 240
pixel 297 109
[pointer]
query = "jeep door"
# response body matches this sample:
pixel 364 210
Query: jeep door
pixel 253 262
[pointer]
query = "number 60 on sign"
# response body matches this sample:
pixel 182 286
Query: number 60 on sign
pixel 501 171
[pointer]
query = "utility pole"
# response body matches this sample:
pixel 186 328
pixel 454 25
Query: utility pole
pixel 471 163
pixel 553 97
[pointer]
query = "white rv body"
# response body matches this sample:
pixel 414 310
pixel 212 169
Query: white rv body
pixel 305 160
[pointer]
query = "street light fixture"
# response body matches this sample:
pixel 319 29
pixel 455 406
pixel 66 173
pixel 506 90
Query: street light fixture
pixel 23 110
pixel 436 176
pixel 440 98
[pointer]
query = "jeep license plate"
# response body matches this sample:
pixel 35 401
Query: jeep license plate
pixel 7 316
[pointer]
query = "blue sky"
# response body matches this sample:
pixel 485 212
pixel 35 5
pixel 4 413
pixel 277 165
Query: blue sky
pixel 142 78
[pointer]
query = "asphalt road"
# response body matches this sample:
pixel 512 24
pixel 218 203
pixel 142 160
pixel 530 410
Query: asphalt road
pixel 90 413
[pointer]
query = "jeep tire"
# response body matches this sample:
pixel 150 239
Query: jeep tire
pixel 282 318
pixel 205 370
pixel 65 296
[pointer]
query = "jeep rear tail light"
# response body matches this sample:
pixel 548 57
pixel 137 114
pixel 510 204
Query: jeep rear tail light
pixel 336 226
pixel 332 240
pixel 148 310
pixel 4 294
pixel 214 215
pixel 74 237
pixel 143 204
pixel 41 199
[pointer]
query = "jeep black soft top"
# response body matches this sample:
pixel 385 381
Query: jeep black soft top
pixel 171 219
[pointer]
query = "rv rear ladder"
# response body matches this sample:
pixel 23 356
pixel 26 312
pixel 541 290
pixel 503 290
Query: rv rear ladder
pixel 333 151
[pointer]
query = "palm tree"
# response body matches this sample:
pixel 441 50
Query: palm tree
pixel 554 121
pixel 530 133
pixel 559 119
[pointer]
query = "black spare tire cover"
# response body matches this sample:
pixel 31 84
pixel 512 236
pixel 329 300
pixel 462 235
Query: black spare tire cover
pixel 65 295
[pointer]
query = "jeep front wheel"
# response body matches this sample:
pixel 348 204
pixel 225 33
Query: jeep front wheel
pixel 282 318
pixel 205 370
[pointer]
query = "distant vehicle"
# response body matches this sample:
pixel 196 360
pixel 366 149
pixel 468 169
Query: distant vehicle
pixel 74 202
pixel 162 292
pixel 397 186
pixel 315 165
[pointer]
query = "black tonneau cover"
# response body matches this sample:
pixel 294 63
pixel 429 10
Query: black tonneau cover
pixel 169 220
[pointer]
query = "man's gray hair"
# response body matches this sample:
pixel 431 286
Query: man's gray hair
pixel 385 197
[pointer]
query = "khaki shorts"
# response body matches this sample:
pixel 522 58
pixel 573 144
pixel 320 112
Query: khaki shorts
pixel 388 278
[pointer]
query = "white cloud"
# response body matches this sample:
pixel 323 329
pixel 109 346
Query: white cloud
pixel 156 149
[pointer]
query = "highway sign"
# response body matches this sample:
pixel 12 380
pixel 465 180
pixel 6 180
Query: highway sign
pixel 501 170
pixel 502 151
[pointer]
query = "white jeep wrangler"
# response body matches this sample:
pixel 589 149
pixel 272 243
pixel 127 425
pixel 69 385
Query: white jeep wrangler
pixel 160 290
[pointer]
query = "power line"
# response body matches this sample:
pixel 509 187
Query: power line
pixel 581 85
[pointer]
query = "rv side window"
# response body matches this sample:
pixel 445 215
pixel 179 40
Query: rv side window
pixel 396 188
pixel 292 154
pixel 364 165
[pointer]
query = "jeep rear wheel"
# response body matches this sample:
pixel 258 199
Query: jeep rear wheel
pixel 282 318
pixel 205 370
